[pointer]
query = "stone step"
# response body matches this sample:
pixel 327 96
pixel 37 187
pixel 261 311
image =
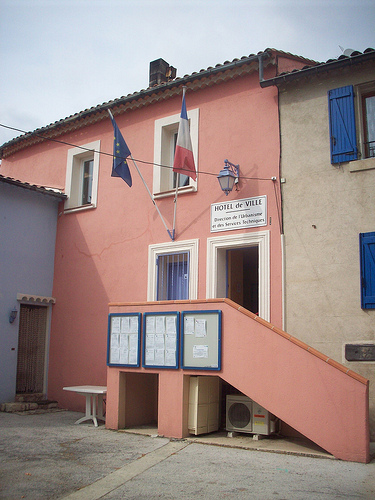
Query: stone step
pixel 19 406
pixel 29 398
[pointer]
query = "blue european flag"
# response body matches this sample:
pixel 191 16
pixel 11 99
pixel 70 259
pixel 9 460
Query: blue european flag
pixel 121 151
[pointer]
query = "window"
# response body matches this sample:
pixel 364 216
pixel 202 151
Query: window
pixel 165 137
pixel 368 113
pixel 82 176
pixel 367 257
pixel 352 122
pixel 173 271
pixel 173 276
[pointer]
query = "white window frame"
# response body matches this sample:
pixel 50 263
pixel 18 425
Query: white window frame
pixel 164 131
pixel 154 251
pixel 73 188
pixel 360 91
pixel 216 265
pixel 364 163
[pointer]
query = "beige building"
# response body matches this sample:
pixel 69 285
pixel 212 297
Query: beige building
pixel 327 126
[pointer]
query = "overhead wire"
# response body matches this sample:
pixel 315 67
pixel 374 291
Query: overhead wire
pixel 34 134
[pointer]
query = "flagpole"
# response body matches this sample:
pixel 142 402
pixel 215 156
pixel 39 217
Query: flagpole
pixel 152 199
pixel 140 175
pixel 175 204
pixel 110 114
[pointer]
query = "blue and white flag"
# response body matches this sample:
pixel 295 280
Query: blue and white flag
pixel 121 151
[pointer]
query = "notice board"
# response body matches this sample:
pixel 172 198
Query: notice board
pixel 124 339
pixel 201 340
pixel 160 340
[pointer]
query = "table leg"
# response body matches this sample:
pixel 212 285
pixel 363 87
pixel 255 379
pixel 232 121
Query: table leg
pixel 94 410
pixel 88 415
pixel 100 407
pixel 97 409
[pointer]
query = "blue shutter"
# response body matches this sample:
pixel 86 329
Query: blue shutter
pixel 367 255
pixel 342 124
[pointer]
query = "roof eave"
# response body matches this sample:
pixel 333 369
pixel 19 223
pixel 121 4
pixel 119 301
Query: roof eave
pixel 312 70
pixel 131 101
pixel 32 187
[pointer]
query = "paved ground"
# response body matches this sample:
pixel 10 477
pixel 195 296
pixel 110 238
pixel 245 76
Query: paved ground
pixel 46 456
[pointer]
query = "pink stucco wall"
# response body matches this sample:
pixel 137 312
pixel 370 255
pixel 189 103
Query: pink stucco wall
pixel 101 254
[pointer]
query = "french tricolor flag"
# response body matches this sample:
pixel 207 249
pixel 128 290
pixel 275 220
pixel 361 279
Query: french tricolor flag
pixel 183 158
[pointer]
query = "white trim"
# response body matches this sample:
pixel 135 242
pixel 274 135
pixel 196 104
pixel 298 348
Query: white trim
pixel 260 239
pixel 75 156
pixel 360 91
pixel 164 128
pixel 154 251
pixel 283 291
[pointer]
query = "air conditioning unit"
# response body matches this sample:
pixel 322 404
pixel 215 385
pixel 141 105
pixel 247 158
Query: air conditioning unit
pixel 245 415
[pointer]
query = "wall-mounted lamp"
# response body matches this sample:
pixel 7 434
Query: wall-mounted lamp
pixel 13 315
pixel 228 177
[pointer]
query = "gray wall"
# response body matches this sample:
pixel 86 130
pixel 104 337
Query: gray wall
pixel 27 247
pixel 325 207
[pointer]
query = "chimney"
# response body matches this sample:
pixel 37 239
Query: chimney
pixel 161 72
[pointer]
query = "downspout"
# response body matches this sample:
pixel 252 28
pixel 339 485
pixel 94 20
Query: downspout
pixel 282 236
pixel 260 62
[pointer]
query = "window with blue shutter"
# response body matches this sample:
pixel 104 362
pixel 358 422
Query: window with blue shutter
pixel 173 276
pixel 342 127
pixel 367 256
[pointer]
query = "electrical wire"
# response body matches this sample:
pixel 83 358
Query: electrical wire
pixel 34 134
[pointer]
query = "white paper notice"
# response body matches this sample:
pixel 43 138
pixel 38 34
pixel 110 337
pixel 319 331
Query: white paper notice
pixel 115 340
pixel 133 356
pixel 116 324
pixel 171 324
pixel 124 340
pixel 200 328
pixel 170 357
pixel 159 357
pixel 170 341
pixel 160 324
pixel 115 355
pixel 159 341
pixel 150 340
pixel 150 356
pixel 124 356
pixel 189 325
pixel 150 324
pixel 133 341
pixel 125 321
pixel 200 351
pixel 133 327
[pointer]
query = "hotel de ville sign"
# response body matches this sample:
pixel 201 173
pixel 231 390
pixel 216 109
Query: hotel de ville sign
pixel 239 214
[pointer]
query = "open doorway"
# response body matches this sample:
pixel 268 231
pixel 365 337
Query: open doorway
pixel 238 267
pixel 138 404
pixel 243 277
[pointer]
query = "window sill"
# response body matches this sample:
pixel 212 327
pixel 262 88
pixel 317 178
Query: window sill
pixel 360 165
pixel 181 190
pixel 79 209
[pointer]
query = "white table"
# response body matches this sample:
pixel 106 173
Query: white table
pixel 94 394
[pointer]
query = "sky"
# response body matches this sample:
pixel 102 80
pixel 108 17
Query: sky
pixel 60 57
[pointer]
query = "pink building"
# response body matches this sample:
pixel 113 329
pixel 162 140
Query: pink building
pixel 171 264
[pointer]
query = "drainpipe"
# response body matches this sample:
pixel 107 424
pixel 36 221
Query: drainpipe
pixel 260 61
